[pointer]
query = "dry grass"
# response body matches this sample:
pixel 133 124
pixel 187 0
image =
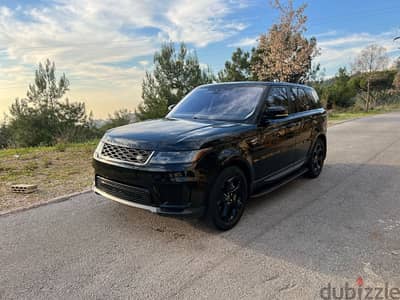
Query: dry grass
pixel 335 117
pixel 56 170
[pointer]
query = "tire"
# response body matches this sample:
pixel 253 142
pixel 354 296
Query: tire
pixel 227 198
pixel 316 161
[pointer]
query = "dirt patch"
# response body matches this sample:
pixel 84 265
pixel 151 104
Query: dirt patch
pixel 55 172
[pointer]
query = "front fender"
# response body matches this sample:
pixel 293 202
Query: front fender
pixel 238 157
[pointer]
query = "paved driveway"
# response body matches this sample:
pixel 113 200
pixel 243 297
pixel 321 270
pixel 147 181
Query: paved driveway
pixel 289 245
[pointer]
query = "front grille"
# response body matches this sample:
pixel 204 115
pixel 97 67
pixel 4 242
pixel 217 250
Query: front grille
pixel 123 191
pixel 125 154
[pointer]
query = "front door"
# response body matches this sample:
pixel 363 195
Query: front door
pixel 274 150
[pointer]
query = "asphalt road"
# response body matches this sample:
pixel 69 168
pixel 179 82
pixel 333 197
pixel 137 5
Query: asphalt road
pixel 289 245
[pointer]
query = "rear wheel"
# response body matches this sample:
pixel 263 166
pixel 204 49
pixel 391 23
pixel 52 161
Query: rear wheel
pixel 316 160
pixel 228 197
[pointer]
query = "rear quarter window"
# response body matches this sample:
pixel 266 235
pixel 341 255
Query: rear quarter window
pixel 304 98
pixel 312 99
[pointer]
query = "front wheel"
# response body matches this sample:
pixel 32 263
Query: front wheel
pixel 316 160
pixel 228 197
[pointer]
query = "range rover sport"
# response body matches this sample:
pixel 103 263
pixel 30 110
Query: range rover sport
pixel 220 145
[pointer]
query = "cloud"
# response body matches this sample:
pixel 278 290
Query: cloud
pixel 144 63
pixel 245 42
pixel 324 34
pixel 200 22
pixel 342 50
pixel 96 42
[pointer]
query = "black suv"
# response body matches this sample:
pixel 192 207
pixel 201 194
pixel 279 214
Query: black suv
pixel 220 145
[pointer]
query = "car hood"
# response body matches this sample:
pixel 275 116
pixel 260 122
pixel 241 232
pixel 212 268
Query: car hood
pixel 174 134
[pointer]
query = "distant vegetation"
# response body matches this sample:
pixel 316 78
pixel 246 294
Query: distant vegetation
pixel 46 116
pixel 352 91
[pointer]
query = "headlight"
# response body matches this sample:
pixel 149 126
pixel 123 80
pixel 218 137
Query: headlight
pixel 177 157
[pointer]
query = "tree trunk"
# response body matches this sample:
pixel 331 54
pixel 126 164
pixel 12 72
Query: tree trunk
pixel 368 94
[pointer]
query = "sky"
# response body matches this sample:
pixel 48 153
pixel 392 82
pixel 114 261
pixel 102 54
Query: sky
pixel 104 47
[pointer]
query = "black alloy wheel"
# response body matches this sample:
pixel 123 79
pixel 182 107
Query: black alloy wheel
pixel 228 198
pixel 316 160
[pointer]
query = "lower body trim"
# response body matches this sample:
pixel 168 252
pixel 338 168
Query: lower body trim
pixel 125 202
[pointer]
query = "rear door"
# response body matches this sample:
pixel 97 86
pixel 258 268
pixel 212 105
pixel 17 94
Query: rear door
pixel 305 105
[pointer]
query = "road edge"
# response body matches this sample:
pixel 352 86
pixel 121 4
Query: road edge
pixel 358 118
pixel 43 203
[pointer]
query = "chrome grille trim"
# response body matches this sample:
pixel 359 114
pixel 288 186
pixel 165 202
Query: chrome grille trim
pixel 124 154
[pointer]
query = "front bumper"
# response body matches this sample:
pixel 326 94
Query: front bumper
pixel 177 191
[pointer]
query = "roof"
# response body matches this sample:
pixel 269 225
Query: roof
pixel 263 83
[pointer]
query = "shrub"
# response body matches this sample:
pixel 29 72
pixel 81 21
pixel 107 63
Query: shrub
pixel 61 147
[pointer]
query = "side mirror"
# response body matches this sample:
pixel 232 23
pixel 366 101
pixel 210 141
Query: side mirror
pixel 276 112
pixel 170 107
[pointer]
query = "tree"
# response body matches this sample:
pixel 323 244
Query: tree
pixel 176 73
pixel 238 69
pixel 118 118
pixel 341 92
pixel 43 117
pixel 4 135
pixel 373 58
pixel 284 54
pixel 396 81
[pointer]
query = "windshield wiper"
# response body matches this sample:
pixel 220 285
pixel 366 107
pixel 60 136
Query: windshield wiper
pixel 200 117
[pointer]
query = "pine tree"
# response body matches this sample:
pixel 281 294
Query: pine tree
pixel 175 74
pixel 238 68
pixel 43 117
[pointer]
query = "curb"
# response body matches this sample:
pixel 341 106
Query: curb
pixel 358 118
pixel 43 203
pixel 345 121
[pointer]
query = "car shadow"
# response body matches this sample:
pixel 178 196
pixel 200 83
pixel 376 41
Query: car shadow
pixel 333 224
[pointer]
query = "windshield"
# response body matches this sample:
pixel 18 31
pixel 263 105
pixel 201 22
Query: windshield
pixel 219 102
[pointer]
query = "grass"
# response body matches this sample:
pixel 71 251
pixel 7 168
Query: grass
pixel 57 171
pixel 339 116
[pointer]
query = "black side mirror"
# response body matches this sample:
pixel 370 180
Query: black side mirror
pixel 170 107
pixel 276 112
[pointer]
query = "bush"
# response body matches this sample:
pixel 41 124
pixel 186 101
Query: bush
pixel 5 136
pixel 61 147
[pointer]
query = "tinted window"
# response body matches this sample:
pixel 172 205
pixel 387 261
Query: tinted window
pixel 311 102
pixel 219 102
pixel 277 97
pixel 293 98
pixel 302 101
pixel 315 98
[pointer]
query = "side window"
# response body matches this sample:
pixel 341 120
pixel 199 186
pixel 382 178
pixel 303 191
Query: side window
pixel 277 97
pixel 316 99
pixel 294 99
pixel 302 101
pixel 311 101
